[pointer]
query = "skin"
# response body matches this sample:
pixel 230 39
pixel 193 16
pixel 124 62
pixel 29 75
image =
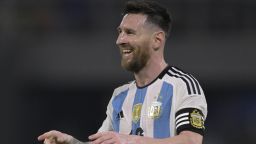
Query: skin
pixel 136 39
pixel 141 46
pixel 55 137
pixel 145 39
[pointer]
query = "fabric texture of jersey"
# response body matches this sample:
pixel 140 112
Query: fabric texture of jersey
pixel 173 102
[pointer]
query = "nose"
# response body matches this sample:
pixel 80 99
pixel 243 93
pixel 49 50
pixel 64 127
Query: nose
pixel 121 39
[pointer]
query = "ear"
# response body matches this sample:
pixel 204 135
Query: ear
pixel 158 40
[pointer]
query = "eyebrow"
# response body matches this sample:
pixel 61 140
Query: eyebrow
pixel 130 29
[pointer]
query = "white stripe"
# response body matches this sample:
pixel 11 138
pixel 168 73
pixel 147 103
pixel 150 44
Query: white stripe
pixel 179 120
pixel 127 110
pixel 182 123
pixel 181 115
pixel 147 124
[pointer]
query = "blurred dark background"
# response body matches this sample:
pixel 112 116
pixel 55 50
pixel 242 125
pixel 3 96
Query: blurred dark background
pixel 60 65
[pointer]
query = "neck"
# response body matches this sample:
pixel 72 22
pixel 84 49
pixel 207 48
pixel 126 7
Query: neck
pixel 147 74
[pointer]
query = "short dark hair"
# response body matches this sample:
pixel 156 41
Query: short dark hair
pixel 156 13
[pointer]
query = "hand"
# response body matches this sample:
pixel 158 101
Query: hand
pixel 55 137
pixel 108 138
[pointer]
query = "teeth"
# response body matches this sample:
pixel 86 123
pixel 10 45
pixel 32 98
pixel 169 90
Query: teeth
pixel 127 51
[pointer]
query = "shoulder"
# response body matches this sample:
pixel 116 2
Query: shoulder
pixel 122 89
pixel 183 79
pixel 176 72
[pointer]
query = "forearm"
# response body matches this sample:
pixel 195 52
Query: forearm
pixel 183 138
pixel 76 141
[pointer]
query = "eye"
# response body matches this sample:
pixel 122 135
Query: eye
pixel 130 32
pixel 119 31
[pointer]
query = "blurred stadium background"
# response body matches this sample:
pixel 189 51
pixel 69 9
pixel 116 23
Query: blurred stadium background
pixel 59 64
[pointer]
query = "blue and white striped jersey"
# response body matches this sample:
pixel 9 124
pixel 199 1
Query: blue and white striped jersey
pixel 173 102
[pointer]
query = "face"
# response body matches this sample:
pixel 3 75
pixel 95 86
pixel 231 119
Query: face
pixel 134 42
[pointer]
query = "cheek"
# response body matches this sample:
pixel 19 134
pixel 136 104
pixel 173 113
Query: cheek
pixel 145 47
pixel 142 46
pixel 134 42
pixel 142 52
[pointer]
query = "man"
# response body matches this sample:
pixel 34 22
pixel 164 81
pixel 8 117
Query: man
pixel 164 105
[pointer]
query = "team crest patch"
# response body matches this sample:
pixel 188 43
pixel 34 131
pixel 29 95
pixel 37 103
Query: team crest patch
pixel 136 112
pixel 154 110
pixel 196 119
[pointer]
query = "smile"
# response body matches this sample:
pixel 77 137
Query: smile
pixel 127 51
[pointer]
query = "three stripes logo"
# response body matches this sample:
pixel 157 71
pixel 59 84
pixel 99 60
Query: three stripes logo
pixel 192 84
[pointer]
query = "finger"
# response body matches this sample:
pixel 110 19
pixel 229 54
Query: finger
pixel 49 134
pixel 63 138
pixel 48 141
pixel 102 138
pixel 43 136
pixel 94 136
pixel 99 134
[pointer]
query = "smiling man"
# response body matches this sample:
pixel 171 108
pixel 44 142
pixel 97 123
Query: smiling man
pixel 163 105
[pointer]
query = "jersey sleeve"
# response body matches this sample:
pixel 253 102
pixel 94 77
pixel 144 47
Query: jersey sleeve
pixel 191 110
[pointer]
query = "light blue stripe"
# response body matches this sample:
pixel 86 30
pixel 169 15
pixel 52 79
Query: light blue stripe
pixel 139 98
pixel 117 104
pixel 162 124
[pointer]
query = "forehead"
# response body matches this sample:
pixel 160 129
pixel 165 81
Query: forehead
pixel 133 21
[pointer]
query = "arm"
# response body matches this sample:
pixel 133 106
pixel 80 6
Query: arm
pixel 185 137
pixel 76 141
pixel 56 137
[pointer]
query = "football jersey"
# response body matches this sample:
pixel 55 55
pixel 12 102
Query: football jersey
pixel 173 102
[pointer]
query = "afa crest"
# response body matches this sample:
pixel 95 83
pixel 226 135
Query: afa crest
pixel 154 110
pixel 196 119
pixel 136 112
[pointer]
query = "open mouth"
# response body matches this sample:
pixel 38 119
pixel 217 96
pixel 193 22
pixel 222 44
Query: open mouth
pixel 127 51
